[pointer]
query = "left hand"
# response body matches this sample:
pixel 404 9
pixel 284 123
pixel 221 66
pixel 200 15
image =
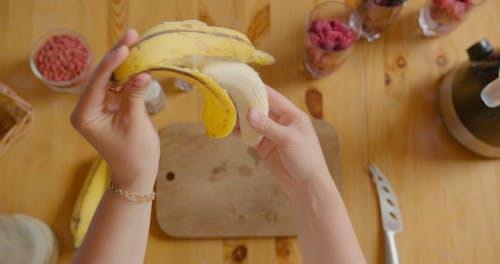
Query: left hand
pixel 117 124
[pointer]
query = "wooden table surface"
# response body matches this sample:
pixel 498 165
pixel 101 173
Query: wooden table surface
pixel 382 102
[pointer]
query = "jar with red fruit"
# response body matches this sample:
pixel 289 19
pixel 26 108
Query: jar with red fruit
pixel 332 28
pixel 62 60
pixel 439 17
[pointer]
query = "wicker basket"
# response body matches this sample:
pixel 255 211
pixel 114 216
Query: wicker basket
pixel 16 116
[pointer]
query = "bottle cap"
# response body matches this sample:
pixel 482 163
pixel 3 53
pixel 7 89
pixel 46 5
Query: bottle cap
pixel 480 50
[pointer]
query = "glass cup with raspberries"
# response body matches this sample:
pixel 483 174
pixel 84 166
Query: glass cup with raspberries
pixel 332 28
pixel 439 17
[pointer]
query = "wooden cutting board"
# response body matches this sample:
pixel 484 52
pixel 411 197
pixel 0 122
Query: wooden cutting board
pixel 220 188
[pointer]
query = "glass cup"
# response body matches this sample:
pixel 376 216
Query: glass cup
pixel 439 17
pixel 332 28
pixel 59 83
pixel 378 15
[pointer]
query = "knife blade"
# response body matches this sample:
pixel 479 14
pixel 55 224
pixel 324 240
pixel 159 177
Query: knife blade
pixel 392 221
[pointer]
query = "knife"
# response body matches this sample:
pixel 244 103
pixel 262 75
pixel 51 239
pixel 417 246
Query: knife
pixel 390 213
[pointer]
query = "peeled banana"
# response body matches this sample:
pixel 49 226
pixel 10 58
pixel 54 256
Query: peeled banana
pixel 94 186
pixel 192 51
pixel 246 90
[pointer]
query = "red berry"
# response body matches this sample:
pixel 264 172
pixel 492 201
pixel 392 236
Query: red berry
pixel 62 57
pixel 320 26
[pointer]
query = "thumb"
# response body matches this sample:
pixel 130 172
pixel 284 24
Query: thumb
pixel 134 92
pixel 266 126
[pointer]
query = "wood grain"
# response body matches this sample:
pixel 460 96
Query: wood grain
pixel 41 175
pixel 448 196
pixel 259 24
pixel 314 102
pixel 203 13
pixel 236 251
pixel 117 20
pixel 382 102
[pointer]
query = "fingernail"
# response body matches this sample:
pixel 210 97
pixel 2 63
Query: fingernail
pixel 140 81
pixel 119 49
pixel 254 117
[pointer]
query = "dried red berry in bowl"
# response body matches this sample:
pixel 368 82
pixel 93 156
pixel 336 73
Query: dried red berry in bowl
pixel 62 60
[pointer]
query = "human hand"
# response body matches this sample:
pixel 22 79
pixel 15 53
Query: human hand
pixel 290 147
pixel 117 124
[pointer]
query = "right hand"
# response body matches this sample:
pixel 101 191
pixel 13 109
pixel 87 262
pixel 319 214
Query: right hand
pixel 290 147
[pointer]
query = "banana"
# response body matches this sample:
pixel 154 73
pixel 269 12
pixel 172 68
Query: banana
pixel 182 50
pixel 93 188
pixel 246 90
pixel 177 42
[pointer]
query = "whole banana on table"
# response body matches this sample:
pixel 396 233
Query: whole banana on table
pixel 214 59
pixel 95 184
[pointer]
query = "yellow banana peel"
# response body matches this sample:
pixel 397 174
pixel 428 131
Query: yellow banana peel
pixel 181 50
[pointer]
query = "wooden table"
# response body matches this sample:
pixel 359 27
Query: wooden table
pixel 382 102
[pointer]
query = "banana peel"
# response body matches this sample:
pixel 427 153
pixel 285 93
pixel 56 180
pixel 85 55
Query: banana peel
pixel 95 184
pixel 219 113
pixel 182 49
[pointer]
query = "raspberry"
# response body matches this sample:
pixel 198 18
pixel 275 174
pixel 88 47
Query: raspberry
pixel 455 8
pixel 331 35
pixel 321 26
pixel 314 37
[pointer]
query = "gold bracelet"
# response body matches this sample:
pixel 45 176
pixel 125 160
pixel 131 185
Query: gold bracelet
pixel 132 196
